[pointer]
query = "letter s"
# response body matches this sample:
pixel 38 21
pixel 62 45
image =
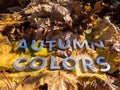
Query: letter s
pixel 103 64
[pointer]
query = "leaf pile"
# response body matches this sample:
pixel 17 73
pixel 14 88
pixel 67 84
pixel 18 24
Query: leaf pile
pixel 53 19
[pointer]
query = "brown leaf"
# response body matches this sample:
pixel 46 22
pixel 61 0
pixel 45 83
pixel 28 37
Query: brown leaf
pixel 51 80
pixel 99 5
pixel 2 27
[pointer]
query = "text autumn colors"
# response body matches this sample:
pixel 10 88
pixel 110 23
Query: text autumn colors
pixel 87 63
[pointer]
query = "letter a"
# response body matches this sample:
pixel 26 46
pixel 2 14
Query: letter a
pixel 22 44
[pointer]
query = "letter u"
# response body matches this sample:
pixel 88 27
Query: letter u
pixel 35 48
pixel 67 43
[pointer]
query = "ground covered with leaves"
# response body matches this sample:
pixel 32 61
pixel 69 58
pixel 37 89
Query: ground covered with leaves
pixel 50 20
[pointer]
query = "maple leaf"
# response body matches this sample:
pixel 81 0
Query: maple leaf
pixel 51 80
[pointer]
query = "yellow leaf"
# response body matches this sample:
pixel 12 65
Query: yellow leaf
pixel 111 58
pixel 92 54
pixel 43 52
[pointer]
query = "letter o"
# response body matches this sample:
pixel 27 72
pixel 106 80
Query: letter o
pixel 31 65
pixel 67 59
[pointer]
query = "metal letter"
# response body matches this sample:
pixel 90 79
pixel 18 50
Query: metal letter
pixel 103 63
pixel 35 48
pixel 18 61
pixel 22 44
pixel 52 67
pixel 66 45
pixel 85 65
pixel 50 44
pixel 31 65
pixel 93 44
pixel 76 43
pixel 69 68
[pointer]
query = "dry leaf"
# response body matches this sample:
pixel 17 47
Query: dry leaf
pixel 51 80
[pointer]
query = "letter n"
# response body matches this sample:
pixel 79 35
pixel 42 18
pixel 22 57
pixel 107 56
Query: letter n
pixel 93 44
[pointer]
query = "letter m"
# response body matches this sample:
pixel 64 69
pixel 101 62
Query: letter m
pixel 77 44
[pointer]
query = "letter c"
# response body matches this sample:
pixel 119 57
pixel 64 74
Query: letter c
pixel 18 61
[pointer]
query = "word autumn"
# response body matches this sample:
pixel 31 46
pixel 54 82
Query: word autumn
pixel 87 63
